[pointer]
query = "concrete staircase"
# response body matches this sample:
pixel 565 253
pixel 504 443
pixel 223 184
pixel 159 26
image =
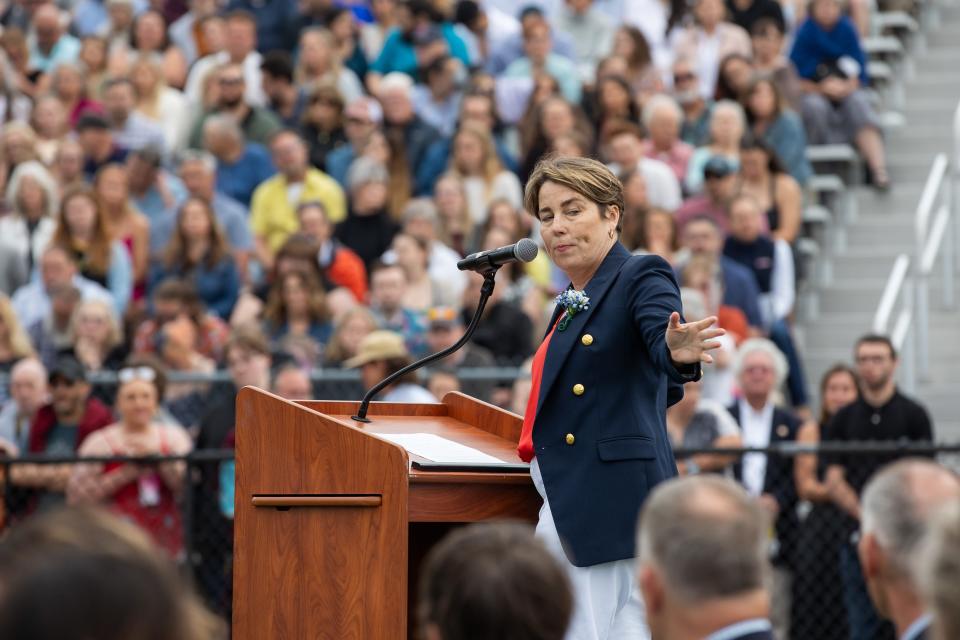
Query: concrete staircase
pixel 884 228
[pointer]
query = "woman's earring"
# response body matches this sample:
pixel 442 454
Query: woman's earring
pixel 611 234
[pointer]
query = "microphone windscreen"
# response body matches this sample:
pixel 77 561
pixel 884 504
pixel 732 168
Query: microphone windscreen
pixel 526 250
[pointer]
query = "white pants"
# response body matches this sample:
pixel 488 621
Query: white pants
pixel 607 603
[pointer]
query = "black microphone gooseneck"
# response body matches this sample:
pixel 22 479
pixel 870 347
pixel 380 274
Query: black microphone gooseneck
pixel 486 290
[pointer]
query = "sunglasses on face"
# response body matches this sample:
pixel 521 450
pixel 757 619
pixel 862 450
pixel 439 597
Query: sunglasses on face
pixel 129 374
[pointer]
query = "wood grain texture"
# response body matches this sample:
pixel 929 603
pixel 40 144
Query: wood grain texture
pixel 281 502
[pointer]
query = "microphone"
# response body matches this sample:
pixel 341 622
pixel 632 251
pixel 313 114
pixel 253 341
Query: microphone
pixel 485 261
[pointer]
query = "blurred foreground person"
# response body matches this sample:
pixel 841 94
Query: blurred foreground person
pixel 938 571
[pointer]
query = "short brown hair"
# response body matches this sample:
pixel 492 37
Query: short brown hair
pixel 875 338
pixel 249 338
pixel 494 580
pixel 588 177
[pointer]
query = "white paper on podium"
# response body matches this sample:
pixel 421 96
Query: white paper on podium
pixel 437 449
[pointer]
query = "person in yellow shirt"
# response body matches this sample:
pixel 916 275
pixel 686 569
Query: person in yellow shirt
pixel 273 209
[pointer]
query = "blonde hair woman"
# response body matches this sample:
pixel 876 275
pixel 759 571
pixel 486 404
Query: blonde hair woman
pixel 320 64
pixel 474 159
pixel 96 336
pixel 160 102
pixel 14 343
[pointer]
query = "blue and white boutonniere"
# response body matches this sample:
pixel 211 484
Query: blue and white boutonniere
pixel 573 302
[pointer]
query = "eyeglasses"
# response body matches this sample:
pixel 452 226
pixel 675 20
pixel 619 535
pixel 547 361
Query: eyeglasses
pixel 871 359
pixel 683 77
pixel 129 374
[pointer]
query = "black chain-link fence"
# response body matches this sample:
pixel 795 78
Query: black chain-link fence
pixel 186 505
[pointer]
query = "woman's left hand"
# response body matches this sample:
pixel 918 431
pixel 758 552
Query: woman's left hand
pixel 688 343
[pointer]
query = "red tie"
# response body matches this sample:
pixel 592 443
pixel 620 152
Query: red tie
pixel 525 447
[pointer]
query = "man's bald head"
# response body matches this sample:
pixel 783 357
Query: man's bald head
pixel 28 385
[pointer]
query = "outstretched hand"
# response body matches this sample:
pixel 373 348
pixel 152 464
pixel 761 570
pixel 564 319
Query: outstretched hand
pixel 688 343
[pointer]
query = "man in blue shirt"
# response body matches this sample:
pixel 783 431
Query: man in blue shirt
pixel 241 165
pixel 48 42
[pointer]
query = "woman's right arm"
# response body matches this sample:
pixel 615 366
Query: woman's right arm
pixel 89 483
pixel 805 467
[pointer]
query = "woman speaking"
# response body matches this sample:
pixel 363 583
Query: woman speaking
pixel 615 357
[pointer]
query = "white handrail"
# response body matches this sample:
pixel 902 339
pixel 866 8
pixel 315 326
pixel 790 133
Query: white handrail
pixel 891 291
pixel 937 232
pixel 929 196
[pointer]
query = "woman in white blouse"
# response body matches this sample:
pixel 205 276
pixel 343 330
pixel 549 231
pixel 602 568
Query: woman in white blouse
pixel 159 102
pixel 320 63
pixel 710 40
pixel 32 195
pixel 475 160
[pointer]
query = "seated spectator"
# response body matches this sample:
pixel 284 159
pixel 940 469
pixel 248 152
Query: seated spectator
pixel 763 178
pixel 702 563
pixel 131 130
pixel 780 128
pixel 422 291
pixel 444 328
pixel 709 41
pixel 387 149
pixel 767 38
pixel 257 123
pixel 59 429
pixel 28 392
pixel 938 574
pixel 292 383
pixel 642 74
pixel 49 121
pixel 112 573
pixel 100 147
pixel 691 425
pixel 51 333
pixel 83 231
pixel 345 29
pixel 287 101
pixel 96 343
pixel 368 229
pixel 153 189
pixel 51 44
pixel 144 495
pixel 635 206
pixel 402 125
pixel 381 354
pixel 319 63
pixel 662 118
pixel 591 31
pixel 323 124
pixel 898 505
pixel 727 126
pixel 33 200
pixel 296 318
pixel 273 214
pixel 475 161
pixel 340 266
pixel 718 382
pixel 761 370
pixel 199 253
pixel 388 290
pixel 437 99
pixel 549 119
pixel 456 226
pixel 350 330
pixel 733 78
pixel 420 35
pixel 361 118
pixel 197 336
pixel 538 57
pixel 241 165
pixel 487 31
pixel 746 13
pixel 719 188
pixel 421 220
pixel 127 225
pixel 833 71
pixel 441 381
pixel 624 143
pixel 161 103
pixel 704 273
pixel 238 48
pixel 149 37
pixel 656 234
pixel 186 32
pixel 505 331
pixel 613 101
pixel 68 165
pixel 476 584
pixel 771 262
pixel 198 171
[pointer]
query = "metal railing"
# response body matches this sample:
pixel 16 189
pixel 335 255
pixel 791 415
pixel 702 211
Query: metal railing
pixel 898 288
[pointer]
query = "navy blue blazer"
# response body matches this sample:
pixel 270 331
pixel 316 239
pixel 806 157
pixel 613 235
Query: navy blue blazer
pixel 779 481
pixel 599 434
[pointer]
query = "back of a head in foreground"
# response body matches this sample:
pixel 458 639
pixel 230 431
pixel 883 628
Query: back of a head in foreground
pixel 79 574
pixel 706 537
pixel 939 571
pixel 493 580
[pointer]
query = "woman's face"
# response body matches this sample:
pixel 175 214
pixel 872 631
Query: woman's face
pixel 544 87
pixel 664 128
pixel 504 217
pixel 635 191
pixel 448 197
pixel 614 100
pixel 93 323
pixel 80 216
pixel 93 53
pixel 839 391
pixel 314 53
pixel 409 253
pixel 137 402
pixel 150 31
pixel 294 294
pixel 68 83
pixel 194 221
pixel 112 187
pixel 354 330
pixel 144 77
pixel 622 44
pixel 69 161
pixel 468 153
pixel 32 199
pixel 557 119
pixel 763 101
pixel 495 237
pixel 753 163
pixel 342 27
pixel 377 148
pixel 314 224
pixel 322 114
pixel 709 13
pixel 49 118
pixel 726 128
pixel 826 13
pixel 18 147
pixel 658 229
pixel 567 147
pixel 738 74
pixel 574 234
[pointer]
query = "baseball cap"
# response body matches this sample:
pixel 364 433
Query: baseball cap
pixel 67 368
pixel 718 167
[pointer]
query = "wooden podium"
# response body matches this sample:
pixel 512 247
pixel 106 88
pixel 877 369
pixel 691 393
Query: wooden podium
pixel 332 522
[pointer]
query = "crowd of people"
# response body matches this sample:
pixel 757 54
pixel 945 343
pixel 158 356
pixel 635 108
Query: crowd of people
pixel 277 189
